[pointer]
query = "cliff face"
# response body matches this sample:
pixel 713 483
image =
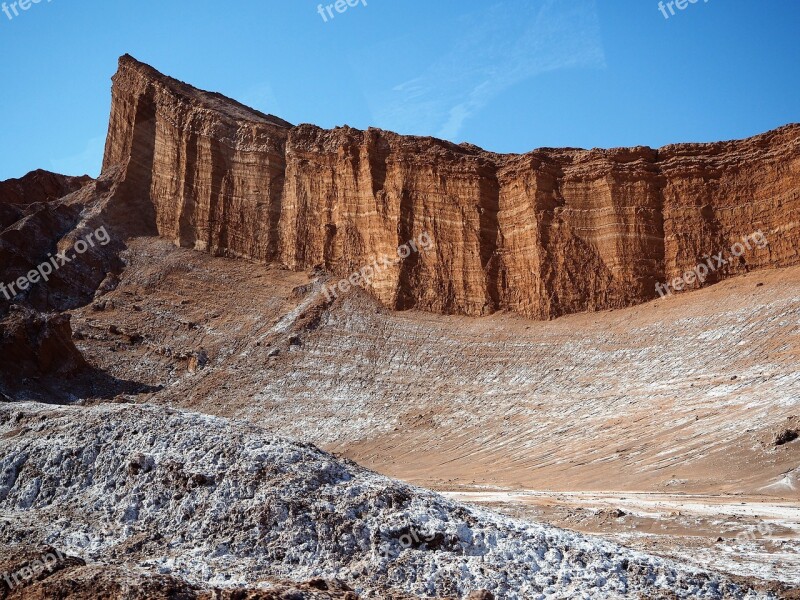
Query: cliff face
pixel 543 234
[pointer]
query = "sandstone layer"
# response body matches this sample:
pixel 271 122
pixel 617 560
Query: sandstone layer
pixel 543 234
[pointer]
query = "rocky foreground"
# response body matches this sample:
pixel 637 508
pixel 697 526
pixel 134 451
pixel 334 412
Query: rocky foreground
pixel 205 503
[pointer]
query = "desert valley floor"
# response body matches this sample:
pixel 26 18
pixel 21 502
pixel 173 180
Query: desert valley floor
pixel 655 426
pixel 507 413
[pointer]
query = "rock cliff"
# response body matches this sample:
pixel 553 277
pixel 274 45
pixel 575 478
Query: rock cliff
pixel 543 234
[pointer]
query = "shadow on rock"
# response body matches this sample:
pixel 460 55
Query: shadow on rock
pixel 39 362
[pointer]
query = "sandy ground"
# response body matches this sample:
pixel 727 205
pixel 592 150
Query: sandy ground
pixel 675 404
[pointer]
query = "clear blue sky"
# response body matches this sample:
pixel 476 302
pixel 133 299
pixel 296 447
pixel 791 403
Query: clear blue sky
pixel 509 76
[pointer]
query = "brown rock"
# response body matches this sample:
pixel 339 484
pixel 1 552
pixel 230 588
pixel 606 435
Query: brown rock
pixel 542 234
pixel 34 344
pixel 788 432
pixel 46 228
pixel 37 186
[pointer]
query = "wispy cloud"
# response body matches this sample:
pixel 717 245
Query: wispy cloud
pixel 86 162
pixel 499 46
pixel 261 97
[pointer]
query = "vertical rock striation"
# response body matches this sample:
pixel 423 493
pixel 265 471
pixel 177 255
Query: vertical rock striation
pixel 543 234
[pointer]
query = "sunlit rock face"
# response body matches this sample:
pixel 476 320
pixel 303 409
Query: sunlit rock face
pixel 543 234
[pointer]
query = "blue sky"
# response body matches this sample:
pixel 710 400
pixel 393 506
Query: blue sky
pixel 509 76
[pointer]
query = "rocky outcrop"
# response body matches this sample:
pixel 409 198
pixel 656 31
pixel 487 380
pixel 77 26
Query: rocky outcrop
pixel 35 187
pixel 221 502
pixel 541 234
pixel 32 220
pixel 73 242
pixel 39 186
pixel 34 344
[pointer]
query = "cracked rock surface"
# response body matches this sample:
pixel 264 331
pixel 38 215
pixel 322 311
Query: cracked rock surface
pixel 222 503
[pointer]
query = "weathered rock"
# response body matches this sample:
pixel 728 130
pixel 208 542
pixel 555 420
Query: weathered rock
pixel 35 187
pixel 272 509
pixel 47 574
pixel 481 595
pixel 80 227
pixel 39 186
pixel 34 344
pixel 39 361
pixel 789 431
pixel 34 219
pixel 541 234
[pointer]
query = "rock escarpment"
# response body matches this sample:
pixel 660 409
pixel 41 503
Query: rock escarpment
pixel 542 234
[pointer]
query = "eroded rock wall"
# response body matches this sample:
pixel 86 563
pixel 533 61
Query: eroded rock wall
pixel 543 234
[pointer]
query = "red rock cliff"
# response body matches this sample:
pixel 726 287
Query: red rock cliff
pixel 551 232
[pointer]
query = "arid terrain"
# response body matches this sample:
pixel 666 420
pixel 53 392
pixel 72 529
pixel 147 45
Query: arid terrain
pixel 188 405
